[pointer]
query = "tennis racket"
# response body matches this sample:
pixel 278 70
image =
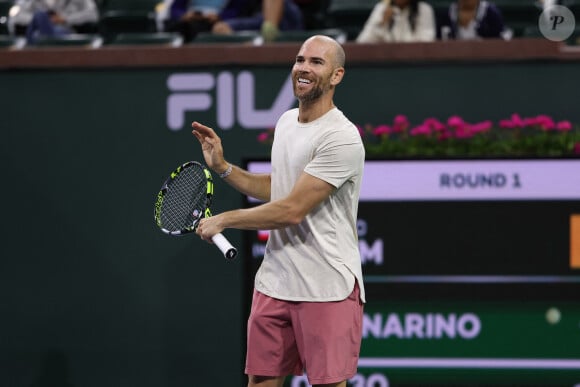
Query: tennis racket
pixel 184 199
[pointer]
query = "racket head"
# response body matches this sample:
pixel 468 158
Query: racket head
pixel 185 198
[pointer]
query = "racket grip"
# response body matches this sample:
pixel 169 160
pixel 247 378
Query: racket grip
pixel 225 246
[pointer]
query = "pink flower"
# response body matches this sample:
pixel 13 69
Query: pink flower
pixel 263 137
pixel 517 121
pixel 564 126
pixel 506 124
pixel 576 148
pixel 400 123
pixel 481 126
pixel 543 118
pixel 420 130
pixel 462 129
pixel 455 122
pixel 545 122
pixel 382 129
pixel 361 131
pixel 530 121
pixel 434 124
pixel 464 132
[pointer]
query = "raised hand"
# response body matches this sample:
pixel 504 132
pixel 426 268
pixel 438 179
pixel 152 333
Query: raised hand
pixel 211 146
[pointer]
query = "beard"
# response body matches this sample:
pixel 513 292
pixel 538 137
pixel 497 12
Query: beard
pixel 313 94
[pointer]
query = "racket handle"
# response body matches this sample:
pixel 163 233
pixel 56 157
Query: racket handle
pixel 225 246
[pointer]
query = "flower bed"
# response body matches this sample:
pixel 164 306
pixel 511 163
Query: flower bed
pixel 513 137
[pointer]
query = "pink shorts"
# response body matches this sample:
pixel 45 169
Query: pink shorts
pixel 321 338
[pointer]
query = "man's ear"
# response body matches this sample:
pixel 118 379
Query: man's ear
pixel 337 76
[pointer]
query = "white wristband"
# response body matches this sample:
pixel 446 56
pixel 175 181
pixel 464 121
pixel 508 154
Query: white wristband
pixel 227 172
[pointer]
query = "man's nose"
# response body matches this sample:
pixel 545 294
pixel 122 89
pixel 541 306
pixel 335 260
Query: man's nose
pixel 302 67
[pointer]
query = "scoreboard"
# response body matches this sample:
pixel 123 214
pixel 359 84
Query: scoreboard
pixel 472 271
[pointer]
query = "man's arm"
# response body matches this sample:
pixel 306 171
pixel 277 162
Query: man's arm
pixel 272 11
pixel 307 194
pixel 256 185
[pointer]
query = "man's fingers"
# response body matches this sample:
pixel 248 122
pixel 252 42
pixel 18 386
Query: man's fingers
pixel 203 133
pixel 202 128
pixel 198 136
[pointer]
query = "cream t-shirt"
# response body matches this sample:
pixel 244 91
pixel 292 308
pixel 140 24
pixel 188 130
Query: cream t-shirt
pixel 318 259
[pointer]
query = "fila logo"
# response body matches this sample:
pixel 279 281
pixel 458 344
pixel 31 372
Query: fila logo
pixel 234 99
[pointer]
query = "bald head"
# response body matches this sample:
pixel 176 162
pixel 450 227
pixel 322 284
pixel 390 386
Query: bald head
pixel 336 51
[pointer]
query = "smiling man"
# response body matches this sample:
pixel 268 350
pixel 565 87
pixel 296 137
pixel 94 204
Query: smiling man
pixel 308 293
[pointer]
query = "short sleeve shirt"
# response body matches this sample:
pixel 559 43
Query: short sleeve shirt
pixel 318 259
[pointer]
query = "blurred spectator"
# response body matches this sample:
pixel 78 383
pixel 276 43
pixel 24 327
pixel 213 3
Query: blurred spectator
pixel 189 17
pixel 399 21
pixel 267 16
pixel 471 20
pixel 53 17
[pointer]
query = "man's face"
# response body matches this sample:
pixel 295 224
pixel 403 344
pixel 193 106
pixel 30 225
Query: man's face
pixel 313 70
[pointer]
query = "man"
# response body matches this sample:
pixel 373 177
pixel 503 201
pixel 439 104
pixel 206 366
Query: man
pixel 225 17
pixel 399 21
pixel 53 17
pixel 268 16
pixel 473 20
pixel 308 296
pixel 188 17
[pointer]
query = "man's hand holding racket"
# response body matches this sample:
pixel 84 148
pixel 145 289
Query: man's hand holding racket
pixel 183 204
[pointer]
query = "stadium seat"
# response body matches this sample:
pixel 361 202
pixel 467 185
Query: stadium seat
pixel 7 41
pixel 249 37
pixel 519 15
pixel 349 15
pixel 135 5
pixel 531 32
pixel 300 36
pixel 115 22
pixel 574 6
pixel 88 40
pixel 155 38
pixel 534 32
pixel 5 6
pixel 574 39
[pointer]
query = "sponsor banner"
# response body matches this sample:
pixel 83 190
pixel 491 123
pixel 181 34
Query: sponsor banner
pixel 436 333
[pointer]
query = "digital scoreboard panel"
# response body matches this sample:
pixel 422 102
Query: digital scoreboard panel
pixel 472 271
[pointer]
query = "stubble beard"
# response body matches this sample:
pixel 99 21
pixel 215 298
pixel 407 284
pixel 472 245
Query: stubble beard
pixel 311 96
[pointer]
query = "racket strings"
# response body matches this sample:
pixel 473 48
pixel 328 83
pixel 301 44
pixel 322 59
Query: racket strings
pixel 185 200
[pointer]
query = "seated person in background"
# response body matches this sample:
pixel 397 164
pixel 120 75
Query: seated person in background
pixel 53 18
pixel 399 21
pixel 471 20
pixel 267 16
pixel 189 17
